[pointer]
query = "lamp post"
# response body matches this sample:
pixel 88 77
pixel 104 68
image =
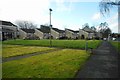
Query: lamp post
pixel 50 28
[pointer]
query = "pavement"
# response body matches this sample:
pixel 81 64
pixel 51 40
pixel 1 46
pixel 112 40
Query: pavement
pixel 103 63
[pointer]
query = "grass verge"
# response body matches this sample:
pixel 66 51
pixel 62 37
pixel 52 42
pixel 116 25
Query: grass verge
pixel 116 44
pixel 15 50
pixel 58 64
pixel 75 44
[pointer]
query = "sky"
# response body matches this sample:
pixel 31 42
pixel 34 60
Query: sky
pixel 71 14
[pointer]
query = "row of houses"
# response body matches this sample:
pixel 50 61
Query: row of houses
pixel 10 31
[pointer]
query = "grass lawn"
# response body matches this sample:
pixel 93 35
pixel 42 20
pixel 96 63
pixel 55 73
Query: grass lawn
pixel 15 50
pixel 59 64
pixel 56 43
pixel 116 44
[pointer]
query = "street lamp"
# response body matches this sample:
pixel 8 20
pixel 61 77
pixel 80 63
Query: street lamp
pixel 50 27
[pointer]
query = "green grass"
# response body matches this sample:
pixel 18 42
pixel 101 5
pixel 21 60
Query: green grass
pixel 59 64
pixel 15 50
pixel 56 43
pixel 116 44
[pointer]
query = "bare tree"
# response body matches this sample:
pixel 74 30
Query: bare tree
pixel 106 5
pixel 26 24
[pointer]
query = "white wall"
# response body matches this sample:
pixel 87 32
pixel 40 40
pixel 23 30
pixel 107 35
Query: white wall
pixel 81 32
pixel 22 34
pixel 39 34
pixel 54 34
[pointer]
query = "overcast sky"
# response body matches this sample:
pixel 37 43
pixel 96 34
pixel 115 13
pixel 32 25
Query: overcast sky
pixel 70 14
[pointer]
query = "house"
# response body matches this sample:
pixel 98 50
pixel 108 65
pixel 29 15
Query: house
pixel 88 33
pixel 42 34
pixel 83 34
pixel 91 33
pixel 7 30
pixel 115 36
pixel 71 34
pixel 39 33
pixel 98 35
pixel 27 34
pixel 46 31
pixel 57 33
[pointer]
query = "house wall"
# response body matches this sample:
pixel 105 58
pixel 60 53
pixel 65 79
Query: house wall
pixel 14 28
pixel 46 35
pixel 54 34
pixel 75 35
pixel 69 34
pixel 98 34
pixel 39 34
pixel 22 34
pixel 91 35
pixel 81 32
pixel 62 35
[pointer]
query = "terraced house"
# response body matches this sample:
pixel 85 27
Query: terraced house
pixel 27 34
pixel 42 34
pixel 71 34
pixel 7 30
pixel 57 33
pixel 88 33
pixel 83 34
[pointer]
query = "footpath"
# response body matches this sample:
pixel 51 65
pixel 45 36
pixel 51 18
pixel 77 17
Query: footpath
pixel 103 63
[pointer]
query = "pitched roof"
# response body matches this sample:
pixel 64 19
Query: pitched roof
pixel 89 30
pixel 7 23
pixel 28 30
pixel 58 30
pixel 44 29
pixel 73 31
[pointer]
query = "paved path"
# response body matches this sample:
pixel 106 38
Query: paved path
pixel 102 64
pixel 27 55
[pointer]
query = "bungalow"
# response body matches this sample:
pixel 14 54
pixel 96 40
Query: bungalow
pixel 70 34
pixel 7 30
pixel 27 34
pixel 57 33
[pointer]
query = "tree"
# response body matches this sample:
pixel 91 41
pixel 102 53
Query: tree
pixel 26 24
pixel 104 29
pixel 107 32
pixel 86 25
pixel 106 5
pixel 93 28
